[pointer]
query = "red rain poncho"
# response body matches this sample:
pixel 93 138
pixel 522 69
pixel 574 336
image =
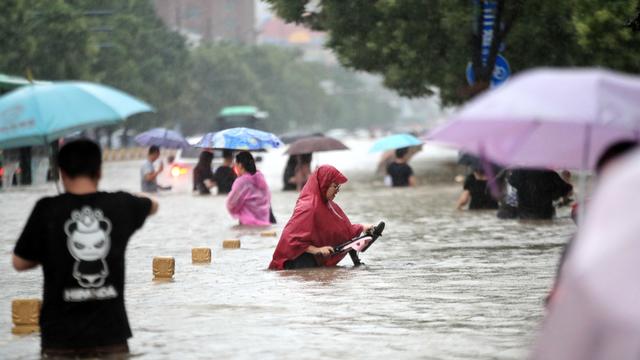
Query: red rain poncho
pixel 315 221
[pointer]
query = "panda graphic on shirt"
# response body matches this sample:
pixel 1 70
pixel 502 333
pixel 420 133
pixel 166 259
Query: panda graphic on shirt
pixel 88 242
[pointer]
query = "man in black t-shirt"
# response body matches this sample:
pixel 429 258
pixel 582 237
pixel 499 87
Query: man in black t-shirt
pixel 79 237
pixel 399 171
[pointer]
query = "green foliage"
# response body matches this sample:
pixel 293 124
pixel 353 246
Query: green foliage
pixel 277 81
pixel 124 44
pixel 48 37
pixel 417 45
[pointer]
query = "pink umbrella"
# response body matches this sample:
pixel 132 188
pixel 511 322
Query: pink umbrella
pixel 548 118
pixel 595 312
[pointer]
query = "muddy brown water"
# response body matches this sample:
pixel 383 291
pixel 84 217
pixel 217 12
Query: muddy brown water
pixel 440 284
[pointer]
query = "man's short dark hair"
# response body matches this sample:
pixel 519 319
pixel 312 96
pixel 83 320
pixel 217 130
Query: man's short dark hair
pixel 400 153
pixel 614 151
pixel 80 158
pixel 227 154
pixel 154 149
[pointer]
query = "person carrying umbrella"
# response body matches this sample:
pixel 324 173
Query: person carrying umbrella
pixel 250 199
pixel 399 172
pixel 316 226
pixel 79 237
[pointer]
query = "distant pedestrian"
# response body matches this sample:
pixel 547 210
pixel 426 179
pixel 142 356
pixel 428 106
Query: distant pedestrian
pixel 302 170
pixel 537 189
pixel 476 192
pixel 225 176
pixel 399 172
pixel 249 200
pixel 288 175
pixel 148 172
pixel 203 178
pixel 79 237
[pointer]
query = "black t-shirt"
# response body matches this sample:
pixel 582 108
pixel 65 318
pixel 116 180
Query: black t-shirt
pixel 400 173
pixel 80 240
pixel 225 176
pixel 480 195
pixel 200 174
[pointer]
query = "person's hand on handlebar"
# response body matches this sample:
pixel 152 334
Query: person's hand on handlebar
pixel 324 251
pixel 367 228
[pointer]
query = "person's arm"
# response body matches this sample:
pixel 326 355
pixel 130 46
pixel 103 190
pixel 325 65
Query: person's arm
pixel 238 195
pixel 154 203
pixel 153 174
pixel 21 264
pixel 412 180
pixel 324 251
pixel 463 200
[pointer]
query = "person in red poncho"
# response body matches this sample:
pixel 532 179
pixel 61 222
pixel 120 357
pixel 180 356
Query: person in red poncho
pixel 316 226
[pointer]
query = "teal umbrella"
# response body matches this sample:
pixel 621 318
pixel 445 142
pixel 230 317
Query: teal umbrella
pixel 38 114
pixel 395 142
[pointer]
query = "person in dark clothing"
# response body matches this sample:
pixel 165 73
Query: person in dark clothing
pixel 79 237
pixel 225 176
pixel 476 192
pixel 508 204
pixel 289 173
pixel 537 189
pixel 303 170
pixel 399 171
pixel 203 178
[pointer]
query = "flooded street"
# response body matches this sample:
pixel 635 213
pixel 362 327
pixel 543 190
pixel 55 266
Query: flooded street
pixel 439 284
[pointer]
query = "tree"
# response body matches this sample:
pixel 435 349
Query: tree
pixel 49 38
pixel 140 55
pixel 421 44
pixel 277 81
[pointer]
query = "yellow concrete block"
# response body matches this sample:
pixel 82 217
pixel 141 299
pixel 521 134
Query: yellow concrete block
pixel 163 267
pixel 271 233
pixel 201 255
pixel 25 311
pixel 25 329
pixel 231 244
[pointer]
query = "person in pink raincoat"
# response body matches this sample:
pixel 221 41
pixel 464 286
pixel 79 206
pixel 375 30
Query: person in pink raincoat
pixel 249 199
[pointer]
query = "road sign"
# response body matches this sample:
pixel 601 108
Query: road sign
pixel 501 72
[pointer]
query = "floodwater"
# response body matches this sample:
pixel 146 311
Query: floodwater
pixel 440 284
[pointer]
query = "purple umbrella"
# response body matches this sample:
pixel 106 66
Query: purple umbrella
pixel 548 118
pixel 163 138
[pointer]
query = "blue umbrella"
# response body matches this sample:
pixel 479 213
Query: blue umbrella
pixel 39 114
pixel 239 138
pixel 163 138
pixel 395 142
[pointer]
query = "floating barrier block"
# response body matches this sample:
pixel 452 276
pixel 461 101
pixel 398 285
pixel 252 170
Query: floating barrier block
pixel 163 267
pixel 271 233
pixel 231 244
pixel 200 255
pixel 25 314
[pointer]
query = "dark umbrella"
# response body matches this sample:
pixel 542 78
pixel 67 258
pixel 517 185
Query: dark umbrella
pixel 163 138
pixel 315 144
pixel 293 136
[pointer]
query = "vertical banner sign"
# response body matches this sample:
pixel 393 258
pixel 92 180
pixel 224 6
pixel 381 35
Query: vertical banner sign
pixel 501 70
pixel 488 19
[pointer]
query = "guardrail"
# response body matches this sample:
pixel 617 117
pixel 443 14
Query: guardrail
pixel 132 153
